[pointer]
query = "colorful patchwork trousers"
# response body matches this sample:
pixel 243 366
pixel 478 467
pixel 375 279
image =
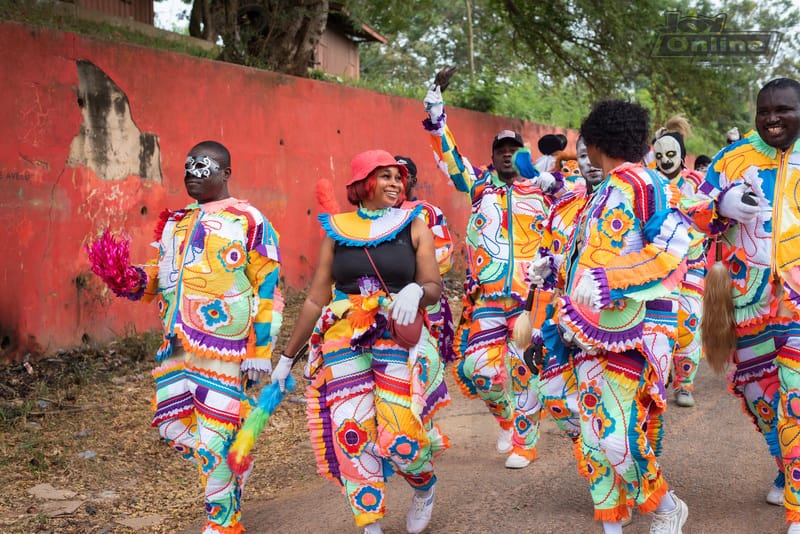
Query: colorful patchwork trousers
pixel 370 414
pixel 689 346
pixel 492 369
pixel 198 405
pixel 767 380
pixel 621 397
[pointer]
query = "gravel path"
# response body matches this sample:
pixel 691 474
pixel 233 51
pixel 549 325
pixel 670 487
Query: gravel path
pixel 712 458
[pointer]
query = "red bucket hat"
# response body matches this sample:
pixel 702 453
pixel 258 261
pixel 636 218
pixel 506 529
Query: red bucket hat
pixel 366 162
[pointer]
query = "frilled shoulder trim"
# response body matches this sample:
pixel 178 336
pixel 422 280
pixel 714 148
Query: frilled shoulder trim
pixel 760 146
pixel 352 230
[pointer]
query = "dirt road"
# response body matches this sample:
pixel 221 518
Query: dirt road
pixel 712 458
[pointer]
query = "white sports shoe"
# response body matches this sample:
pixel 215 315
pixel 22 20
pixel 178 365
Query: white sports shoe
pixel 794 528
pixel 670 522
pixel 775 496
pixel 373 528
pixel 684 398
pixel 504 445
pixel 516 461
pixel 419 515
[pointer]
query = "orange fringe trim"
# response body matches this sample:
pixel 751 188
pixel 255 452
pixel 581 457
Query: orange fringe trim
pixel 792 517
pixel 655 497
pixel 612 515
pixel 577 452
pixel 530 454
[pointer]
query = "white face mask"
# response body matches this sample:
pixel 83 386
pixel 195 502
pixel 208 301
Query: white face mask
pixel 668 155
pixel 202 167
pixel 590 173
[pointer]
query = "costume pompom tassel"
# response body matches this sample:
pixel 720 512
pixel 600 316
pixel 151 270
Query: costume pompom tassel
pixel 326 197
pixel 523 327
pixel 239 457
pixel 718 324
pixel 109 257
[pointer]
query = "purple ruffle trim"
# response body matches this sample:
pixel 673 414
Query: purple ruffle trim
pixel 601 283
pixel 372 334
pixel 590 335
pixel 552 278
pixel 437 126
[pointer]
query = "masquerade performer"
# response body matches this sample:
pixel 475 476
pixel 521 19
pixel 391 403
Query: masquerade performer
pixel 370 399
pixel 754 213
pixel 701 163
pixel 625 262
pixel 670 154
pixel 216 284
pixel 442 328
pixel 503 235
pixel 558 387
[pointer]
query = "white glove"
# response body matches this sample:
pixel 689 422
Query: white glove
pixel 405 304
pixel 282 371
pixel 434 104
pixel 545 181
pixel 584 292
pixel 538 271
pixel 732 206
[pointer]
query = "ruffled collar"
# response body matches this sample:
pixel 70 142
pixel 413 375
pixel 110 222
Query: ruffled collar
pixel 354 230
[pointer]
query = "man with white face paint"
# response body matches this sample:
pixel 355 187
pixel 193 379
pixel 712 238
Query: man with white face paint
pixel 549 272
pixel 670 154
pixel 215 279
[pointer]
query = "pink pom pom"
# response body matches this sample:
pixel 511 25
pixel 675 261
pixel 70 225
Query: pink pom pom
pixel 109 257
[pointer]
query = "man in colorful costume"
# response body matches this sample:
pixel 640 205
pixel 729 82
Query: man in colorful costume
pixel 558 387
pixel 216 284
pixel 759 250
pixel 670 153
pixel 441 318
pixel 620 308
pixel 503 234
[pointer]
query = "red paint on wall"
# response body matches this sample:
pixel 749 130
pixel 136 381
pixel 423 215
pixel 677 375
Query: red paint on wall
pixel 284 133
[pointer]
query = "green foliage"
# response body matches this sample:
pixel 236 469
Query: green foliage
pixel 52 16
pixel 548 61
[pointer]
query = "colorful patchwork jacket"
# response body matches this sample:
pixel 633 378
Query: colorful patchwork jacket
pixel 436 221
pixel 216 282
pixel 633 243
pixel 505 227
pixel 762 256
pixel 688 183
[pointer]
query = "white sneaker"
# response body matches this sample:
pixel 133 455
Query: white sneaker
pixel 684 398
pixel 775 496
pixel 670 522
pixel 373 528
pixel 419 515
pixel 516 461
pixel 504 445
pixel 794 528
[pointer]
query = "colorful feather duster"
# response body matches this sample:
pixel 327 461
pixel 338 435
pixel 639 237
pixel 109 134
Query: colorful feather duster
pixel 109 257
pixel 239 457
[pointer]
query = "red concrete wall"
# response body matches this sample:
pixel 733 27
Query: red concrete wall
pixel 284 134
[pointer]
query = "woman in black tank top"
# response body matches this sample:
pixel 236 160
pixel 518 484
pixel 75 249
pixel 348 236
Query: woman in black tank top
pixel 369 399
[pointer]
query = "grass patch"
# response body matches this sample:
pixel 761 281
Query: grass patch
pixel 59 17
